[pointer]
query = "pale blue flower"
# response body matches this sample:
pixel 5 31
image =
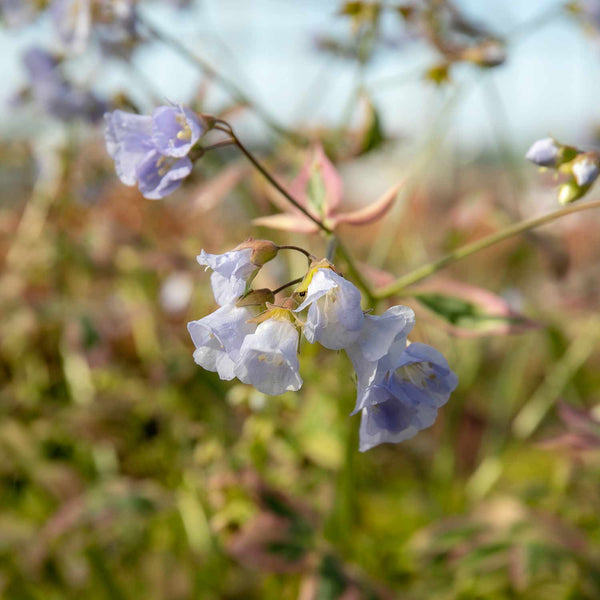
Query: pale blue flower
pixel 544 153
pixel 405 396
pixel 159 175
pixel 381 342
pixel 231 272
pixel 128 141
pixel 335 317
pixel 268 358
pixel 151 151
pixel 218 338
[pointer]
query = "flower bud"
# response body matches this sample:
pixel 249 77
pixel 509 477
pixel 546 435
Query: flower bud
pixel 549 153
pixel 569 192
pixel 585 168
pixel 262 250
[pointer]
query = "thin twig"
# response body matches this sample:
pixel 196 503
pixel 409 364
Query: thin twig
pixel 429 269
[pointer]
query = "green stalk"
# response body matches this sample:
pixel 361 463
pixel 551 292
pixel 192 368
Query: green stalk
pixel 468 249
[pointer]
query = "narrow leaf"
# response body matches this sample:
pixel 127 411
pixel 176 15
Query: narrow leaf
pixel 371 212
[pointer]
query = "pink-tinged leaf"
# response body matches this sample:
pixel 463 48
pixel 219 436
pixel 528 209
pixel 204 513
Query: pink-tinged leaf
pixel 296 222
pixel 212 192
pixel 318 186
pixel 371 212
pixel 471 311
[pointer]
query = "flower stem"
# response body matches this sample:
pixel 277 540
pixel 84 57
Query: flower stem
pixel 231 88
pixel 288 284
pixel 468 249
pixel 228 129
pixel 310 257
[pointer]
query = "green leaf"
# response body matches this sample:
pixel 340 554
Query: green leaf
pixel 462 313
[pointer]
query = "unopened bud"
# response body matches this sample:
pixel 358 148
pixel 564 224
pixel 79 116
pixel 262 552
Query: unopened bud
pixel 544 153
pixel 262 250
pixel 585 168
pixel 569 192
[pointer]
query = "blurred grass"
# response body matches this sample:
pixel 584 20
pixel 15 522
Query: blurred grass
pixel 126 471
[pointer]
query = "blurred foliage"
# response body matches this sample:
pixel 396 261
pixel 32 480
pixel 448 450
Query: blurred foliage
pixel 127 471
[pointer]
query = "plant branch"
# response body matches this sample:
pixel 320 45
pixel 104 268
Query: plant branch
pixel 269 177
pixel 468 249
pixel 285 285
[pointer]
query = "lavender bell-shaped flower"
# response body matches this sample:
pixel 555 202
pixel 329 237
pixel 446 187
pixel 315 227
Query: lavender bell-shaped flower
pixel 268 358
pixel 234 271
pixel 218 338
pixel 151 151
pixel 335 317
pixel 72 22
pixel 54 94
pixel 406 396
pixel 231 271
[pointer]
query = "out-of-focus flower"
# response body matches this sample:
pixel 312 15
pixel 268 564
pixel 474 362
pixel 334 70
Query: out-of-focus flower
pixel 151 151
pixel 405 396
pixel 17 12
pixel 72 21
pixel 268 358
pixel 54 94
pixel 218 338
pixel 582 167
pixel 113 21
pixel 233 271
pixel 335 317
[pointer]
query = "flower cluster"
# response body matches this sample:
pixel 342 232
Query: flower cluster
pixel 582 168
pixel 152 151
pixel 400 385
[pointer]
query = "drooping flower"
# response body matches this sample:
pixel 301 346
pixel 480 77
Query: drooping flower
pixel 54 93
pixel 218 338
pixel 233 271
pixel 381 342
pixel 335 317
pixel 405 396
pixel 151 151
pixel 268 358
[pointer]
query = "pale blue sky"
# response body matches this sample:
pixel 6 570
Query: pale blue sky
pixel 550 83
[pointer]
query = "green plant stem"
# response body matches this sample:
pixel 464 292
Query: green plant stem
pixel 355 272
pixel 468 249
pixel 231 88
pixel 286 285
